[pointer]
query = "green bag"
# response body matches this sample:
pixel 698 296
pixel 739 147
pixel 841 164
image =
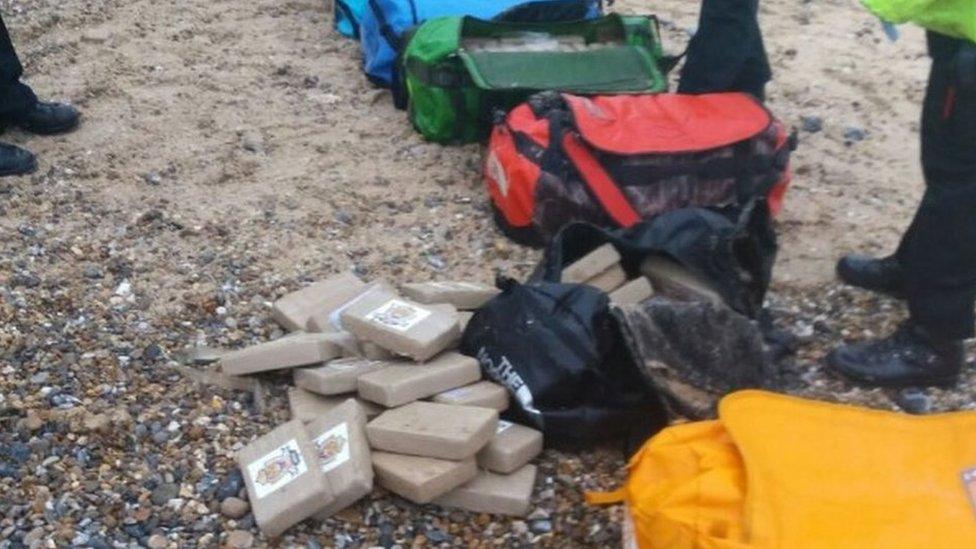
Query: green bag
pixel 458 71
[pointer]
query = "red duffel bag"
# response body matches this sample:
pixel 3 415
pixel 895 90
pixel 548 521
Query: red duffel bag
pixel 616 160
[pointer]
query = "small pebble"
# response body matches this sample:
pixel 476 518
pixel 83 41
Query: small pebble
pixel 240 539
pixel 157 541
pixel 854 134
pixel 811 124
pixel 234 507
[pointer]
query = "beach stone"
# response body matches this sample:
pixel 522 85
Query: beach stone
pixel 855 134
pixel 240 539
pixel 33 421
pixel 157 541
pixel 231 485
pixel 811 123
pixel 34 536
pixel 96 423
pixel 164 492
pixel 234 507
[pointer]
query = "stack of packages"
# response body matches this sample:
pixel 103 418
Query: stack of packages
pixel 601 269
pixel 378 387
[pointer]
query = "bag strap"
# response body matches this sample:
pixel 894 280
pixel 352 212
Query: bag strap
pixel 348 14
pixel 386 30
pixel 599 181
pixel 606 498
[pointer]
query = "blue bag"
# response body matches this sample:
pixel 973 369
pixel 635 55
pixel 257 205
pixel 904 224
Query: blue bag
pixel 384 22
pixel 347 15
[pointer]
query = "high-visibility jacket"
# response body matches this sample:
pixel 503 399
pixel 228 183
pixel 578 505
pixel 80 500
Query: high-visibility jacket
pixel 956 18
pixel 777 472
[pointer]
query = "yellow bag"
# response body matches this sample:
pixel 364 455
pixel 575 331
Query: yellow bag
pixel 778 471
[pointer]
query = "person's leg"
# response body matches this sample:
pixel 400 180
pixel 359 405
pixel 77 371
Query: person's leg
pixel 18 104
pixel 935 266
pixel 938 253
pixel 14 95
pixel 727 51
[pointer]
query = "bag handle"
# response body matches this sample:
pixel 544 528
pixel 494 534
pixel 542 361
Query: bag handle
pixel 599 181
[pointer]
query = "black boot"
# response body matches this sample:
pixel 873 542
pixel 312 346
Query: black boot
pixel 911 357
pixel 884 275
pixel 16 161
pixel 44 118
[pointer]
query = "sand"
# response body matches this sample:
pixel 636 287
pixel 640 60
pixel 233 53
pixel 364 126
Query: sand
pixel 334 161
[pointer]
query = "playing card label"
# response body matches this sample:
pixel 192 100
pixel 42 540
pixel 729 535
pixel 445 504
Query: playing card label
pixel 276 469
pixel 332 447
pixel 398 315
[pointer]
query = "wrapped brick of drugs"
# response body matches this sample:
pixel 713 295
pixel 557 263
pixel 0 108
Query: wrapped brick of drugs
pixel 591 265
pixel 293 311
pixel 338 376
pixel 609 280
pixel 327 315
pixel 433 430
pixel 405 327
pixel 483 393
pixel 511 448
pixel 672 280
pixel 635 291
pixel 421 479
pixel 465 296
pixel 494 493
pixel 284 482
pixel 343 451
pixel 398 385
pixel 291 351
pixel 307 406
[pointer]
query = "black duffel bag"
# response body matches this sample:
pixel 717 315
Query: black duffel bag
pixel 560 352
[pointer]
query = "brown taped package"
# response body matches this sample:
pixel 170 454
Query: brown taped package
pixel 307 406
pixel 591 265
pixel 291 351
pixel 672 280
pixel 327 315
pixel 338 376
pixel 512 447
pixel 493 493
pixel 285 485
pixel 421 479
pixel 344 457
pixel 466 296
pixel 402 326
pixel 398 385
pixel 483 393
pixel 292 311
pixel 433 430
pixel 609 280
pixel 633 292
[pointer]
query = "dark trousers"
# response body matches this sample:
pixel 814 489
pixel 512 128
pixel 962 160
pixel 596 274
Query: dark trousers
pixel 14 95
pixel 727 52
pixel 938 252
